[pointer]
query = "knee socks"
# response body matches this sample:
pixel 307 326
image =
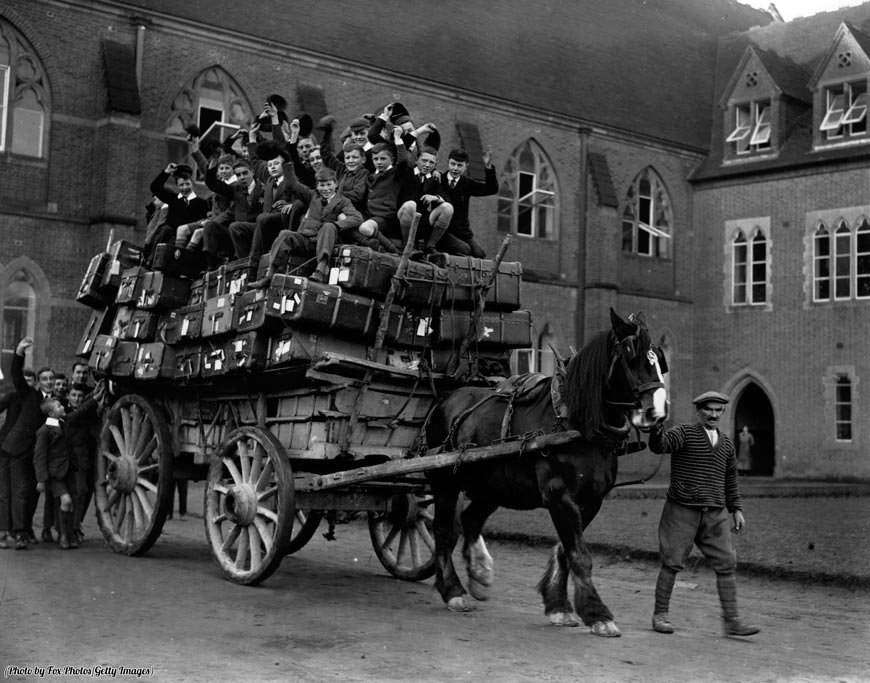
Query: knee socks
pixel 726 585
pixel 664 588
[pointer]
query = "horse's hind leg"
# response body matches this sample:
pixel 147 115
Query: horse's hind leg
pixel 553 588
pixel 446 580
pixel 587 603
pixel 478 561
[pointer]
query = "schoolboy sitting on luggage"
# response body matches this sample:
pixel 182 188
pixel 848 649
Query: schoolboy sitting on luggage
pixel 458 188
pixel 381 223
pixel 184 206
pixel 245 197
pixel 55 470
pixel 328 216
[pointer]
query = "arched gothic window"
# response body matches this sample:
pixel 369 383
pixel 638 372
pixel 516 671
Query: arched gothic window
pixel 528 202
pixel 750 258
pixel 24 96
pixel 212 101
pixel 19 311
pixel 647 220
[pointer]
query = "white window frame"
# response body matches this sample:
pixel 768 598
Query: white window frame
pixel 746 241
pixel 843 380
pixel 753 127
pixel 659 245
pixel 845 108
pixel 5 72
pixel 541 203
pixel 821 261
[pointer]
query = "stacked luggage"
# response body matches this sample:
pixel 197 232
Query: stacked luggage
pixel 178 322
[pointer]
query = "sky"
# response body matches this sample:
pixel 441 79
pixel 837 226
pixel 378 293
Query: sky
pixel 791 9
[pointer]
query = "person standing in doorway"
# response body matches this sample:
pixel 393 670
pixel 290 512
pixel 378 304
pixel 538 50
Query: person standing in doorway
pixel 745 442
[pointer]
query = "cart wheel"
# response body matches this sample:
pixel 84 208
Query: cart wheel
pixel 249 505
pixel 304 526
pixel 133 488
pixel 402 537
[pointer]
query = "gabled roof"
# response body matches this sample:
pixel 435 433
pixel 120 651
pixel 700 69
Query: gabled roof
pixel 861 39
pixel 557 56
pixel 787 77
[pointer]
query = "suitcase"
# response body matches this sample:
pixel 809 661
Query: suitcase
pixel 142 326
pixel 298 300
pixel 100 323
pixel 217 317
pixel 237 276
pixel 249 312
pixel 214 359
pixel 408 328
pixel 302 266
pixel 215 283
pixel 363 270
pixel 466 273
pixel 197 292
pixel 155 360
pixel 101 355
pixel 177 261
pixel 496 329
pixel 123 361
pixel 121 321
pixel 160 291
pixel 187 362
pixel 92 292
pixel 130 285
pixel 248 351
pixel 122 255
pixel 181 325
pixel 297 347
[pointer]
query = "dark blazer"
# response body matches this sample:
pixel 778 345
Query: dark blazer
pixel 383 188
pixel 78 427
pixel 21 437
pixel 10 403
pixel 246 206
pixel 273 192
pixel 465 189
pixel 52 457
pixel 180 211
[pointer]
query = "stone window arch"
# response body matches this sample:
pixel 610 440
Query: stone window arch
pixel 25 99
pixel 647 219
pixel 528 201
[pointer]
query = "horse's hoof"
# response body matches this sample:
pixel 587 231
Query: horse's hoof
pixel 563 619
pixel 458 604
pixel 605 629
pixel 478 590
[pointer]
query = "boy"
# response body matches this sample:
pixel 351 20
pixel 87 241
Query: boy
pixel 328 214
pixel 422 194
pixel 80 373
pixel 458 188
pixel 703 503
pixel 184 209
pixel 382 197
pixel 245 196
pixel 80 423
pixel 55 470
pixel 11 404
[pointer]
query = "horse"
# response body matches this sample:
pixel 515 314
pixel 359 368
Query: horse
pixel 613 384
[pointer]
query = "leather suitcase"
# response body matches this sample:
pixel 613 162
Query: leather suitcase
pixel 181 325
pixel 130 285
pixel 298 300
pixel 155 360
pixel 237 276
pixel 302 266
pixel 248 351
pixel 177 261
pixel 496 329
pixel 100 323
pixel 363 270
pixel 250 311
pixel 122 255
pixel 297 347
pixel 408 328
pixel 160 291
pixel 187 362
pixel 121 321
pixel 217 318
pixel 197 292
pixel 123 361
pixel 215 283
pixel 92 292
pixel 101 354
pixel 465 273
pixel 142 326
pixel 214 359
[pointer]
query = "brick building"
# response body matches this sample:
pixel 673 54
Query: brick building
pixel 618 134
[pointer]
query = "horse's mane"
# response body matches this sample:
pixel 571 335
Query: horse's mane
pixel 586 377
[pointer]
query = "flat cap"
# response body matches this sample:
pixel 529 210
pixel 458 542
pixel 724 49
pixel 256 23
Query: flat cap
pixel 710 397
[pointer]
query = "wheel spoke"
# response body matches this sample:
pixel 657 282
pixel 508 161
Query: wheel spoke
pixel 219 519
pixel 139 520
pixel 112 499
pixel 415 547
pixel 146 434
pixel 144 483
pixel 423 530
pixel 147 507
pixel 125 425
pixel 131 519
pixel 242 549
pixel 119 440
pixel 403 546
pixel 148 450
pixel 231 538
pixel 149 468
pixel 122 513
pixel 135 425
pixel 265 475
pixel 257 465
pixel 245 462
pixel 221 489
pixel 265 534
pixel 111 457
pixel 233 470
pixel 263 496
pixel 388 540
pixel 256 549
pixel 267 513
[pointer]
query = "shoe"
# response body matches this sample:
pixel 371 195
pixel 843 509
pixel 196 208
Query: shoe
pixel 46 536
pixel 734 627
pixel 21 542
pixel 319 276
pixel 80 536
pixel 4 541
pixel 31 537
pixel 661 624
pixel 262 283
pixel 182 517
pixel 73 541
pixel 63 542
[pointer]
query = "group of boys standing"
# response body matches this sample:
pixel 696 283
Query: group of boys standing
pixel 47 446
pixel 292 195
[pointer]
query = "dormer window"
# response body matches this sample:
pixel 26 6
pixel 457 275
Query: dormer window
pixel 846 111
pixel 752 128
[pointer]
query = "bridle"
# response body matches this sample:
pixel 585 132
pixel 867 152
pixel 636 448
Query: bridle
pixel 626 350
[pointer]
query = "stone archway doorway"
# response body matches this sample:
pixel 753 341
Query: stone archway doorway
pixel 752 409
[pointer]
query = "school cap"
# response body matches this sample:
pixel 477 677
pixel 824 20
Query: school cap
pixel 710 397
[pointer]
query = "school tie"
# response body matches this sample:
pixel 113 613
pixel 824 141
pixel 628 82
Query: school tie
pixel 453 184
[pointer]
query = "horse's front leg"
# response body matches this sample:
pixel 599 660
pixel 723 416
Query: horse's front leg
pixel 446 580
pixel 590 608
pixel 478 561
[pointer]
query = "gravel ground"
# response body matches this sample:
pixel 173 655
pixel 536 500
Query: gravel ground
pixel 820 539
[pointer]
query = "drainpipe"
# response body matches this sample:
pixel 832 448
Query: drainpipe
pixel 582 203
pixel 140 50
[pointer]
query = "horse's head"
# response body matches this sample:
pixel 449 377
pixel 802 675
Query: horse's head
pixel 635 380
